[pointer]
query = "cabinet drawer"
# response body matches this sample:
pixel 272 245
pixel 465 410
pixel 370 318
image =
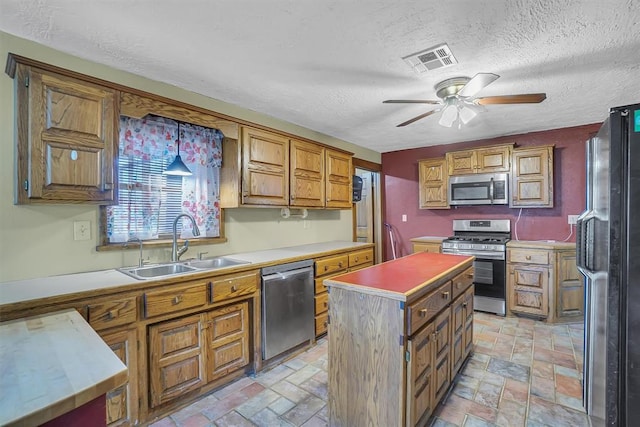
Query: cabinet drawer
pixel 322 303
pixel 322 322
pixel 461 282
pixel 331 265
pixel 233 286
pixel 360 257
pixel 361 266
pixel 175 298
pixel 423 310
pixel 112 313
pixel 530 256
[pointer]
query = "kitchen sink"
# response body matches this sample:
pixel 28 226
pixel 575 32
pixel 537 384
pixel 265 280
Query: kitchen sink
pixel 154 271
pixel 162 270
pixel 217 262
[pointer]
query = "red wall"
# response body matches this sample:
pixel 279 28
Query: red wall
pixel 400 184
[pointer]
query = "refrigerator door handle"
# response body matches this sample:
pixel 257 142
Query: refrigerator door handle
pixel 585 228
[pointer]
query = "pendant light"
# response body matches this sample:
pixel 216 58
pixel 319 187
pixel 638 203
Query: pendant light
pixel 177 167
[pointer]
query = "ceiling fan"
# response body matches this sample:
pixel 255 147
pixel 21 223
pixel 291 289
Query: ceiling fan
pixel 458 102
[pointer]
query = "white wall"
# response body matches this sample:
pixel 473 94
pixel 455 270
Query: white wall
pixel 37 241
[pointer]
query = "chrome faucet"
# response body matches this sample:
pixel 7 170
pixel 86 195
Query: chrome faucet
pixel 175 252
pixel 137 239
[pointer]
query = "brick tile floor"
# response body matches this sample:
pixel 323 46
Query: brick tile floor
pixel 522 373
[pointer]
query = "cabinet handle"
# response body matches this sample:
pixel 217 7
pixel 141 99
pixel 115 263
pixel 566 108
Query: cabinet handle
pixel 422 312
pixel 326 267
pixel 326 304
pixel 464 304
pixel 340 264
pixel 234 288
pixel 458 284
pixel 177 299
pixel 528 257
pixel 445 295
pixel 357 259
pixel 326 323
pixel 112 315
pixel 293 197
pixel 108 186
pixel 470 275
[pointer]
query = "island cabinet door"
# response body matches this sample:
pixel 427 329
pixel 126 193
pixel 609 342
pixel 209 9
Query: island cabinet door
pixel 420 376
pixel 176 364
pixel 468 322
pixel 442 362
pixel 227 332
pixel 457 334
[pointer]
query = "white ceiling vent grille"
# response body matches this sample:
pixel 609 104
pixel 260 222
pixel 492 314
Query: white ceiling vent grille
pixel 431 59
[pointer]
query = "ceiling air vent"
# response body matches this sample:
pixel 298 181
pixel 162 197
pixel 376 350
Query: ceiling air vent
pixel 431 59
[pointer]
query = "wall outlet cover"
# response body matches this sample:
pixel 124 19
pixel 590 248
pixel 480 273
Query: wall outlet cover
pixel 572 219
pixel 81 230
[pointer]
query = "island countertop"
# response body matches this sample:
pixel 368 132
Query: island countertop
pixel 52 364
pixel 403 278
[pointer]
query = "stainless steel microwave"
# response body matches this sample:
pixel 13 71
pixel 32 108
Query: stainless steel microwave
pixel 479 189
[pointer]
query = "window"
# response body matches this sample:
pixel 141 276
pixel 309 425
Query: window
pixel 148 201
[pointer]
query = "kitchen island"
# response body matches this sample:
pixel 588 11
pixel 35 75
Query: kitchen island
pixel 398 333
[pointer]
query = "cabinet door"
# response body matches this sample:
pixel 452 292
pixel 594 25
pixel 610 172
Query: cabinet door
pixel 420 375
pixel 307 188
pixel 338 179
pixel 528 289
pixel 227 333
pixel 532 177
pixel 265 168
pixel 176 364
pixel 122 402
pixel 570 286
pixel 461 162
pixel 433 184
pixel 457 334
pixel 442 360
pixel 67 139
pixel 493 159
pixel 468 322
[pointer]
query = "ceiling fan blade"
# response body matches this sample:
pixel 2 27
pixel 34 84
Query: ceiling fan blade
pixel 411 101
pixel 525 98
pixel 415 119
pixel 477 83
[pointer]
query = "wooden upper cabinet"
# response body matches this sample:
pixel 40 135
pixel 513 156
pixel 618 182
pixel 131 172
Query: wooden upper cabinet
pixel 265 168
pixel 67 139
pixel 433 183
pixel 338 180
pixel 532 177
pixel 480 160
pixel 307 172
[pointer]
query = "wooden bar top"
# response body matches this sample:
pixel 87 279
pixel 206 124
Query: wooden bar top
pixel 52 364
pixel 401 278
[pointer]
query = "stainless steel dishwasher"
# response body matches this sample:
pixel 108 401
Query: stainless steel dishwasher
pixel 287 307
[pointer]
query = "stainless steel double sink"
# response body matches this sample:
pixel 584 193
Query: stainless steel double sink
pixel 190 266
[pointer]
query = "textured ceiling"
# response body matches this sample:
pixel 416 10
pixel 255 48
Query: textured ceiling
pixel 328 65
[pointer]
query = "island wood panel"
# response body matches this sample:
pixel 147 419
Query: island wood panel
pixel 358 348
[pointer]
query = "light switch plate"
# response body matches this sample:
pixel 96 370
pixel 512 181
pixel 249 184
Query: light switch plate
pixel 572 219
pixel 81 230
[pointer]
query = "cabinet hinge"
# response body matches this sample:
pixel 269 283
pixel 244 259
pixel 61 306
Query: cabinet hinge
pixel 407 356
pixel 25 185
pixel 401 340
pixel 26 81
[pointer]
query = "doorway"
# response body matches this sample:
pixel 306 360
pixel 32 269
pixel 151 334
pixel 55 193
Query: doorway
pixel 367 213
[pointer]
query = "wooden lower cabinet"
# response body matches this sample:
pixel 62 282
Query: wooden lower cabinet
pixel 543 281
pixel 461 329
pixel 227 334
pixel 420 386
pixel 435 248
pixel 122 402
pixel 442 356
pixel 187 353
pixel 176 358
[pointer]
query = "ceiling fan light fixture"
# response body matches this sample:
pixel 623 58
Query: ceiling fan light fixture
pixel 449 115
pixel 466 114
pixel 177 167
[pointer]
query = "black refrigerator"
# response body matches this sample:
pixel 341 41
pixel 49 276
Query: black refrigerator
pixel 608 255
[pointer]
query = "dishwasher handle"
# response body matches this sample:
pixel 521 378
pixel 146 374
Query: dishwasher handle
pixel 283 275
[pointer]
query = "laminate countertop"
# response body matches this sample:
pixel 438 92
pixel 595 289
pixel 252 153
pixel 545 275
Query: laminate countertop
pixel 20 291
pixel 400 279
pixel 541 244
pixel 52 364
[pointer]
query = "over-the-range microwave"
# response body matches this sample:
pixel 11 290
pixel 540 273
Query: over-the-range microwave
pixel 479 189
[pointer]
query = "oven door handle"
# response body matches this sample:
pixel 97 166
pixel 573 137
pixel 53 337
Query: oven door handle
pixel 497 255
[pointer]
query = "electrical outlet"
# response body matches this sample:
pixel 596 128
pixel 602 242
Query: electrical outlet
pixel 81 230
pixel 404 217
pixel 572 219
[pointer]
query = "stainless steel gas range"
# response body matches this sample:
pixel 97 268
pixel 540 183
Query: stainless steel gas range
pixel 486 239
